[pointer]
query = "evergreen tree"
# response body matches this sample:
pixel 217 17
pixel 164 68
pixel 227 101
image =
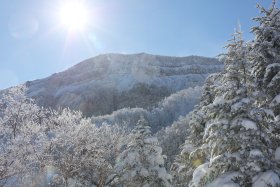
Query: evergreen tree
pixel 192 155
pixel 265 56
pixel 265 50
pixel 235 142
pixel 236 66
pixel 142 163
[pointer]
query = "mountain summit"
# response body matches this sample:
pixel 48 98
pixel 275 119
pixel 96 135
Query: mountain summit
pixel 109 82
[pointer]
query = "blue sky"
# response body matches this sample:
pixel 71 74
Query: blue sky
pixel 34 44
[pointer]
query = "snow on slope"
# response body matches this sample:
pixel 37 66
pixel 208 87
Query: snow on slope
pixel 109 82
pixel 169 110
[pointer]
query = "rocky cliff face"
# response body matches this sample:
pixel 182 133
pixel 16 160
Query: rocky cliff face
pixel 109 82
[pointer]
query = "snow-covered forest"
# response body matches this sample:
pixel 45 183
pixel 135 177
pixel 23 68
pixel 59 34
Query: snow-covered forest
pixel 231 138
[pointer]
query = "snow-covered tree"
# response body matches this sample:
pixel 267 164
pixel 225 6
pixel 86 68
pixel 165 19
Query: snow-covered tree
pixel 234 133
pixel 236 65
pixel 265 56
pixel 109 142
pixel 82 153
pixel 170 139
pixel 184 165
pixel 21 137
pixel 265 49
pixel 142 163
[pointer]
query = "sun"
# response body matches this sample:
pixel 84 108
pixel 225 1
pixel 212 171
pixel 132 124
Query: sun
pixel 74 15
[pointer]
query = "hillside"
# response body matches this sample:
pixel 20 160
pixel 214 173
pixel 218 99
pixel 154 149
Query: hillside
pixel 109 82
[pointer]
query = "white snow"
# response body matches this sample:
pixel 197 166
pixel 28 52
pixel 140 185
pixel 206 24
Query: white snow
pixel 214 159
pixel 256 153
pixel 277 118
pixel 275 101
pixel 254 166
pixel 162 174
pixel 277 153
pixel 265 178
pixel 221 122
pixel 236 155
pixel 132 158
pixel 224 180
pixel 273 65
pixel 248 124
pixel 187 148
pixel 275 81
pixel 144 172
pixel 240 104
pixel 199 172
pixel 219 100
pixel 270 69
pixel 151 140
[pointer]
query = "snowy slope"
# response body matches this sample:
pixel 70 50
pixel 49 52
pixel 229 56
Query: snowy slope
pixel 168 110
pixel 109 82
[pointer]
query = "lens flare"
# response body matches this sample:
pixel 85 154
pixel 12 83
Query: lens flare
pixel 74 15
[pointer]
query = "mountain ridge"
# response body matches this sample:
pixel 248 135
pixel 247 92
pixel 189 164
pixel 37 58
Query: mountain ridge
pixel 108 82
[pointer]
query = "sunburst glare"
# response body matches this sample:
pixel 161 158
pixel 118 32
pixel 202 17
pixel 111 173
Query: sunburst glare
pixel 74 15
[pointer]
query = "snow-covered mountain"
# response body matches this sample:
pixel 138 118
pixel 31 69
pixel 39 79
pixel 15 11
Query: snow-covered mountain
pixel 109 82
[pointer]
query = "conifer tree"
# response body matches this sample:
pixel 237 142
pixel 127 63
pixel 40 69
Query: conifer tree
pixel 234 148
pixel 265 49
pixel 142 163
pixel 236 66
pixel 265 56
pixel 192 155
